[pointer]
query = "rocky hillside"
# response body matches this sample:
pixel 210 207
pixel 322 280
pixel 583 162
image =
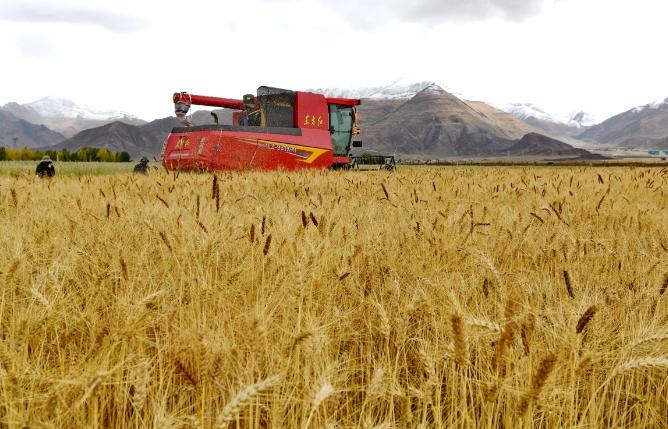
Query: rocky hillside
pixel 435 123
pixel 143 140
pixel 116 137
pixel 509 123
pixel 15 132
pixel 534 144
pixel 642 127
pixel 564 128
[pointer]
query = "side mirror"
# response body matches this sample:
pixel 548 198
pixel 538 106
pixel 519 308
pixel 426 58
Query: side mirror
pixel 357 143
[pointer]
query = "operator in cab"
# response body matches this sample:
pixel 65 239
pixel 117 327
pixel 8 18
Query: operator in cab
pixel 45 168
pixel 142 167
pixel 250 116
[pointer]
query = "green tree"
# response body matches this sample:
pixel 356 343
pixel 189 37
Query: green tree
pixel 28 154
pixel 93 154
pixel 103 155
pixel 64 155
pixel 3 154
pixel 85 154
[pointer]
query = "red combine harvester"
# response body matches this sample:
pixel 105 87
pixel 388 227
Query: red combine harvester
pixel 277 129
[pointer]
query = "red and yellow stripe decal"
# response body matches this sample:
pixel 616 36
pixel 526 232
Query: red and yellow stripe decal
pixel 305 154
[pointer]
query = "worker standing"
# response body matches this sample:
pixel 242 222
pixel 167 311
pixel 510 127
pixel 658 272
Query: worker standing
pixel 45 168
pixel 142 167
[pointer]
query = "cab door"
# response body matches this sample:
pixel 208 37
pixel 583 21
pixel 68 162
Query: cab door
pixel 340 127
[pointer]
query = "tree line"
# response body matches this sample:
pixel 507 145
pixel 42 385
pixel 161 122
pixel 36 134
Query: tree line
pixel 86 154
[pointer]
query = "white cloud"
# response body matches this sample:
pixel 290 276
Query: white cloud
pixel 374 13
pixel 33 47
pixel 596 55
pixel 61 12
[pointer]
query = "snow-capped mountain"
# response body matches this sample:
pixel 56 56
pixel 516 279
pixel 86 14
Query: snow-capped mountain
pixel 397 90
pixel 55 107
pixel 581 120
pixel 527 111
pixel 658 104
pixel 66 116
pixel 401 90
pixel 644 127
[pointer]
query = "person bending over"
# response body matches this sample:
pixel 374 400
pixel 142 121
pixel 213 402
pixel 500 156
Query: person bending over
pixel 45 168
pixel 142 167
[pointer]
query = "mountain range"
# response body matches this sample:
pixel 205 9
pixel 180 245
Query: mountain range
pixel 15 132
pixel 416 120
pixel 434 123
pixel 137 140
pixel 643 127
pixel 65 116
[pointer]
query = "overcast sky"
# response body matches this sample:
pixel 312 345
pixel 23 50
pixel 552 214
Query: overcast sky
pixel 601 56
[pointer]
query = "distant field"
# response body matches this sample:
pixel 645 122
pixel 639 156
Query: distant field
pixel 434 297
pixel 69 168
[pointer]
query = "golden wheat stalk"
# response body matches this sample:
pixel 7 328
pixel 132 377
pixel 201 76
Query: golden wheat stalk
pixel 461 347
pixel 163 236
pixel 94 383
pixel 505 339
pixel 483 323
pixel 569 286
pixel 124 268
pixel 585 319
pixel 162 200
pixel 641 364
pixel 267 245
pixel 650 339
pixel 243 399
pixel 538 381
pixel 376 385
pixel 139 389
pixel 214 186
pixel 325 391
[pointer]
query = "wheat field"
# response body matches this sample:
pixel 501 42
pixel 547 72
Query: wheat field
pixel 446 297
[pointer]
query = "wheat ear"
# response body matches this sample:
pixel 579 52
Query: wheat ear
pixel 538 382
pixel 461 347
pixel 243 399
pixel 323 393
pixel 642 363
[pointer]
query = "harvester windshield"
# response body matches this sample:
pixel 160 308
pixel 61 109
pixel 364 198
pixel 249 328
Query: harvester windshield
pixel 341 126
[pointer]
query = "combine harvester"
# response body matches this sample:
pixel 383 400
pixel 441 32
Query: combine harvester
pixel 277 129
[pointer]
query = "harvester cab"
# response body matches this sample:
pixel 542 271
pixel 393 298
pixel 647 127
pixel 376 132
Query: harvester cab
pixel 276 129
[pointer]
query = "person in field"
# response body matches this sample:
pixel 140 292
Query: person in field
pixel 45 168
pixel 142 167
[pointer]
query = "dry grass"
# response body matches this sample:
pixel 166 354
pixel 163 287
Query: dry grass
pixel 487 297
